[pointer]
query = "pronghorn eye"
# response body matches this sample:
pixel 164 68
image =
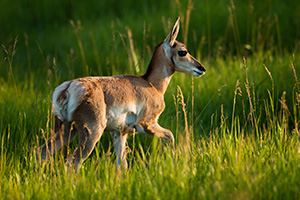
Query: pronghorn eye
pixel 182 53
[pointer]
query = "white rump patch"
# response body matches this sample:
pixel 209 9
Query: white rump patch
pixel 60 105
pixel 73 93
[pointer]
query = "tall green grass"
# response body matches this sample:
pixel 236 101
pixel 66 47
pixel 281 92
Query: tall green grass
pixel 230 157
pixel 236 128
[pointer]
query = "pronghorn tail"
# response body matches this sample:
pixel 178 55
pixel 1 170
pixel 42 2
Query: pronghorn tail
pixel 66 98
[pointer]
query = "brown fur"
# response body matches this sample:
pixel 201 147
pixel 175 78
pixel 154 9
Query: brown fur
pixel 120 104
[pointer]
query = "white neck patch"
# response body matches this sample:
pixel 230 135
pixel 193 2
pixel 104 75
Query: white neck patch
pixel 166 74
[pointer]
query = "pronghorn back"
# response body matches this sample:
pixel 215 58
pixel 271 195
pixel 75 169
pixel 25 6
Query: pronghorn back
pixel 125 98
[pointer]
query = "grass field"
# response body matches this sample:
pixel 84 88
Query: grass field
pixel 236 128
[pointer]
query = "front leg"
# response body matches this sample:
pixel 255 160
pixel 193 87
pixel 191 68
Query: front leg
pixel 119 140
pixel 155 129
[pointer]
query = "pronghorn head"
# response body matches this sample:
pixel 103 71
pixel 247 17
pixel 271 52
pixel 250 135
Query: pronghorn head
pixel 176 51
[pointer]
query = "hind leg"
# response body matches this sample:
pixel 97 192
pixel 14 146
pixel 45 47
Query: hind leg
pixel 60 138
pixel 90 121
pixel 89 135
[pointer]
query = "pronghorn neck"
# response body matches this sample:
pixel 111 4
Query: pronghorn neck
pixel 160 70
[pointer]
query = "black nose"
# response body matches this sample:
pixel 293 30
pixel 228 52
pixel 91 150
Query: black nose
pixel 202 68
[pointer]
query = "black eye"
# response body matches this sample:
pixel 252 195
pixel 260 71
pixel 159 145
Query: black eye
pixel 182 53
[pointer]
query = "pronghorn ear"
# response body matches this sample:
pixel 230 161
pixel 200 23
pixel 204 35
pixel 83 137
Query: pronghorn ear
pixel 173 34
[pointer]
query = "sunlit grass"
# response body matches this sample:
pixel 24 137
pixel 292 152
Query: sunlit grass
pixel 221 166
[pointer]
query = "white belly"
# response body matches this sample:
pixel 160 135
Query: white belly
pixel 120 117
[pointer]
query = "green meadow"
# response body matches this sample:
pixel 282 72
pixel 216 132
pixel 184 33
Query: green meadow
pixel 236 128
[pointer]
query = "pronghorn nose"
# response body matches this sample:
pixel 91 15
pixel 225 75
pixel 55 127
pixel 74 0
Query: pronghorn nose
pixel 202 68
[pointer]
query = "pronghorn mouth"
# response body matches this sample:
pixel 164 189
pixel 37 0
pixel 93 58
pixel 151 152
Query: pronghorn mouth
pixel 198 73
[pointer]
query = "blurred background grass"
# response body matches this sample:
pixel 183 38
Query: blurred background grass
pixel 209 29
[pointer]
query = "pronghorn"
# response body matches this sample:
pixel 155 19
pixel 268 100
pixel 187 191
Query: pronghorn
pixel 119 104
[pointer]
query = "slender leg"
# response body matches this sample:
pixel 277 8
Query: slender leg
pixel 120 149
pixel 148 124
pixel 88 137
pixel 55 143
pixel 155 129
pixel 90 121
